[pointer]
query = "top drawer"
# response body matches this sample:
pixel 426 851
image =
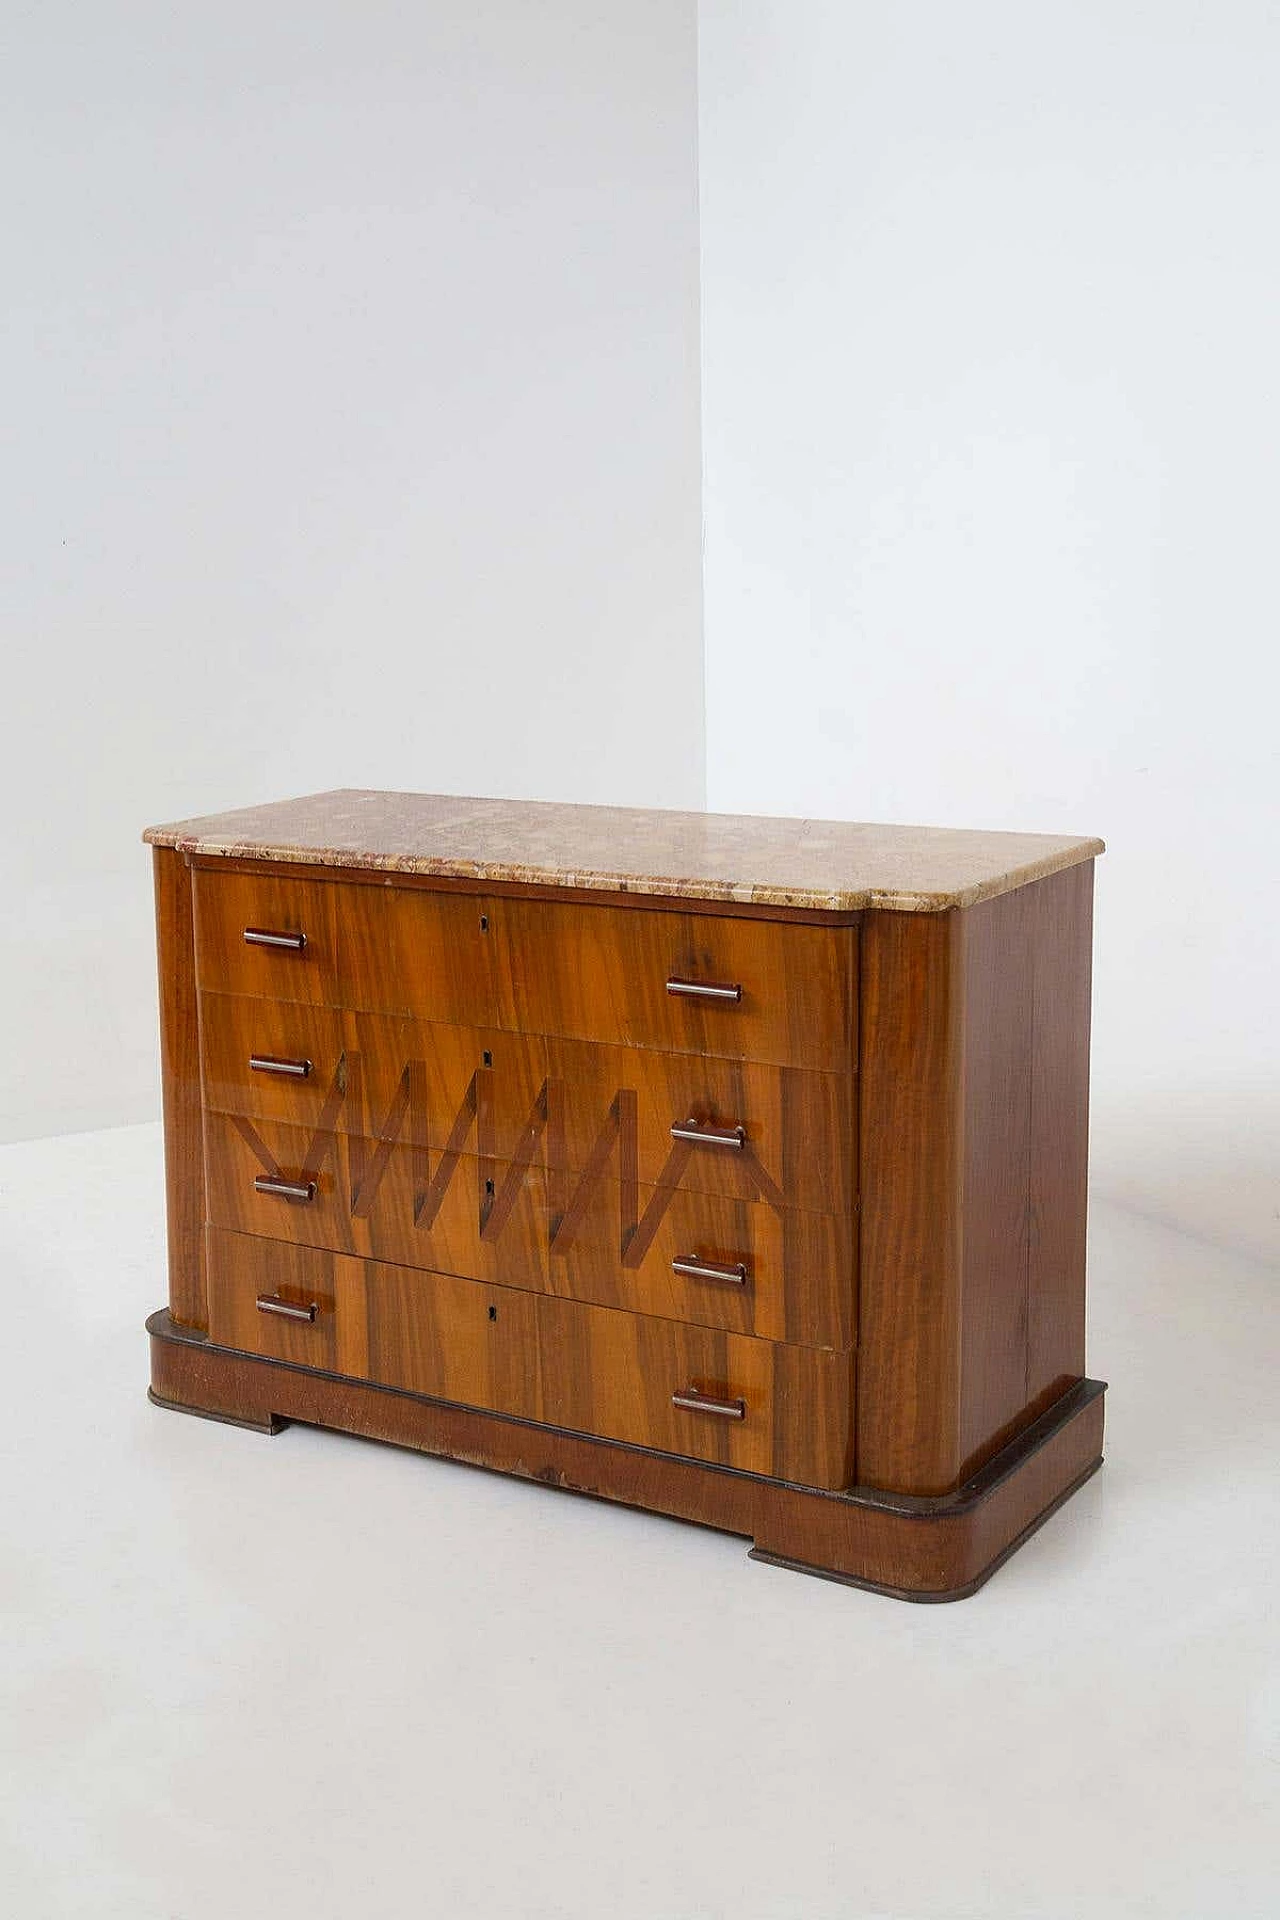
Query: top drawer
pixel 766 990
pixel 369 948
pixel 779 992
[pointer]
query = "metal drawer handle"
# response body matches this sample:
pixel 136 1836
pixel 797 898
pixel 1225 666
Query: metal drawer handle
pixel 708 1136
pixel 703 990
pixel 694 1402
pixel 272 1303
pixel 285 1189
pixel 695 1269
pixel 267 1063
pixel 264 937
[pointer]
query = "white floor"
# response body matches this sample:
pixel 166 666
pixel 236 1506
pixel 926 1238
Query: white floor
pixel 312 1676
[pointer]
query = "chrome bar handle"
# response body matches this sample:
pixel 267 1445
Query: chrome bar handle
pixel 702 1136
pixel 692 1401
pixel 265 937
pixel 695 1269
pixel 267 1063
pixel 284 1189
pixel 702 990
pixel 272 1303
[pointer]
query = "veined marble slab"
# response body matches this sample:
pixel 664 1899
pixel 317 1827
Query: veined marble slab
pixel 830 865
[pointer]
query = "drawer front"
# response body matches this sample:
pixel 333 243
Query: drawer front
pixel 689 983
pixel 780 1410
pixel 717 1262
pixel 298 1286
pixel 261 935
pixel 780 1273
pixel 782 1131
pixel 740 1402
pixel 381 949
pixel 780 993
pixel 422 1332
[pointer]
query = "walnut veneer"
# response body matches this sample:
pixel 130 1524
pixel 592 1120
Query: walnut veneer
pixel 670 1190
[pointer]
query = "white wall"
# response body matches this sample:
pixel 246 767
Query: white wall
pixel 992 458
pixel 349 392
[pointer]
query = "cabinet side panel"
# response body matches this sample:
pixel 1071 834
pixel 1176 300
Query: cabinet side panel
pixel 974 1119
pixel 908 1400
pixel 1059 1134
pixel 180 1088
pixel 998 941
pixel 1025 1077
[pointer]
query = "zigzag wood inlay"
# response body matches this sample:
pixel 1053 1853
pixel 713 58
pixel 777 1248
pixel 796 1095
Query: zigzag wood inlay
pixel 799 1123
pixel 599 1235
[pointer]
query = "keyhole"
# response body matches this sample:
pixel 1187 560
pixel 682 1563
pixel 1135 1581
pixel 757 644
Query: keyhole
pixel 493 1313
pixel 488 1186
pixel 488 1057
pixel 484 923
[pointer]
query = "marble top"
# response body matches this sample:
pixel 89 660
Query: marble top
pixel 755 859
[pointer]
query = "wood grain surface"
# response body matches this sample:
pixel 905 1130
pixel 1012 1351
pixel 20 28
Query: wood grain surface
pixel 240 1269
pixel 228 903
pixel 587 973
pixel 605 1372
pixel 180 1088
pixel 1059 1145
pixel 493 1077
pixel 600 1236
pixel 375 1076
pixel 974 1084
pixel 594 973
pixel 614 1374
pixel 919 1549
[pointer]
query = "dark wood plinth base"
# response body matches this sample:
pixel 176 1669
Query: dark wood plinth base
pixel 268 1423
pixel 907 1546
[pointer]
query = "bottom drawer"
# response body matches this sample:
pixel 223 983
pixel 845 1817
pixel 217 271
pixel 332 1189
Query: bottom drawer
pixel 423 1332
pixel 752 1404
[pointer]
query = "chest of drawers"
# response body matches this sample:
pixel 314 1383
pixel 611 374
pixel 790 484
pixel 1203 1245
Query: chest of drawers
pixel 731 1168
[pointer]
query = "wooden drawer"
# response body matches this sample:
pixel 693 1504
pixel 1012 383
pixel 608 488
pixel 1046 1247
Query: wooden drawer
pixel 482 1090
pixel 301 1280
pixel 756 1406
pixel 390 950
pixel 229 905
pixel 423 1332
pixel 796 1268
pixel 750 989
pixel 761 990
pixel 593 1236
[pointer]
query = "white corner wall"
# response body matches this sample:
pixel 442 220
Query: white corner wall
pixel 992 460
pixel 350 398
